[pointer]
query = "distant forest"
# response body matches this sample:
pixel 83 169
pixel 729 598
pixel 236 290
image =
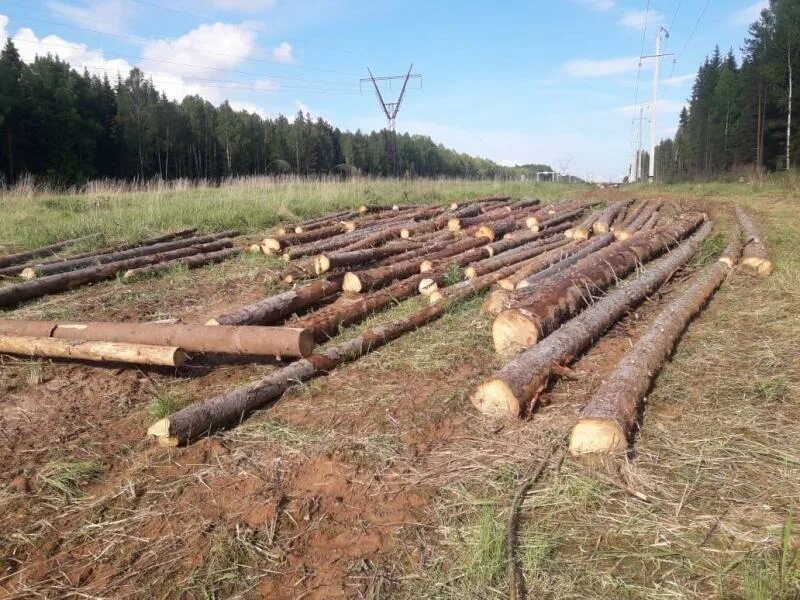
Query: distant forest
pixel 741 115
pixel 68 128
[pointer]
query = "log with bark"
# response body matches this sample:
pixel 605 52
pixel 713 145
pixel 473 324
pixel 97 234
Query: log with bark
pixel 545 261
pixel 440 221
pixel 10 260
pixel 113 257
pixel 536 313
pixel 335 260
pixel 581 252
pixel 606 218
pixel 608 421
pixel 514 389
pixel 555 211
pixel 190 262
pixel 279 306
pixel 259 341
pixel 585 228
pixel 14 294
pixel 94 351
pixel 271 245
pixel 754 256
pixel 231 408
pixel 566 216
pixel 638 223
pixel 516 255
pixel 629 216
pixel 323 221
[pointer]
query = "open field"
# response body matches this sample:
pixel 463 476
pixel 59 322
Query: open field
pixel 381 480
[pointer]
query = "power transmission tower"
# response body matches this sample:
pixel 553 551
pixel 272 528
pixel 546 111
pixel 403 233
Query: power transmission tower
pixel 390 109
pixel 636 165
pixel 563 164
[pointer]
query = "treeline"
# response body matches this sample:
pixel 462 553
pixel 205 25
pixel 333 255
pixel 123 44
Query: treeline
pixel 741 115
pixel 68 128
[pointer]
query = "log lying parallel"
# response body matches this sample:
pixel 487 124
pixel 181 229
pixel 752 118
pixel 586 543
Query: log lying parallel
pixel 754 255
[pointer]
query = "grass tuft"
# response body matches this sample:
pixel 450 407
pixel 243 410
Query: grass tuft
pixel 68 477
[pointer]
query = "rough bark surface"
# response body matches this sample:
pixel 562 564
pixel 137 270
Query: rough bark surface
pixel 607 422
pixel 537 313
pixel 606 218
pixel 190 262
pixel 641 219
pixel 755 255
pixel 514 389
pixel 550 258
pixel 523 253
pixel 337 260
pixel 10 260
pixel 581 252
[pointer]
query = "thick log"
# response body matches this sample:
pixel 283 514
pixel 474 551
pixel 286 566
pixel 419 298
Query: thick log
pixel 95 351
pixel 755 255
pixel 495 213
pixel 370 279
pixel 10 260
pixel 113 257
pixel 514 389
pixel 497 229
pixel 335 260
pixel 277 307
pixel 606 218
pixel 642 217
pixel 651 223
pixel 260 341
pixel 231 408
pixel 535 314
pixel 516 255
pixel 607 422
pixel 14 294
pixel 190 262
pixel 585 228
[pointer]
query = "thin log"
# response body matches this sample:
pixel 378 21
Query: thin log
pixel 630 216
pixel 259 341
pixel 642 217
pixel 539 312
pixel 102 259
pixel 606 218
pixel 190 262
pixel 755 255
pixel 279 306
pixel 19 257
pixel 514 389
pixel 585 228
pixel 440 221
pixel 277 243
pixel 524 252
pixel 582 251
pixel 14 294
pixel 553 220
pixel 335 260
pixel 547 260
pixel 230 408
pixel 323 221
pixel 652 222
pixel 552 211
pixel 607 422
pixel 95 351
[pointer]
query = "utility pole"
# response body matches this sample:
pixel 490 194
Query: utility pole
pixel 636 164
pixel 654 108
pixel 390 109
pixel 563 164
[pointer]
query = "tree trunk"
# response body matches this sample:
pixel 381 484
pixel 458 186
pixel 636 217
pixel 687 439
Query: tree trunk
pixel 14 294
pixel 190 262
pixel 514 389
pixel 582 251
pixel 755 256
pixel 335 260
pixel 608 420
pixel 551 258
pixel 113 257
pixel 271 245
pixel 259 341
pixel 539 312
pixel 275 308
pixel 324 221
pixel 606 218
pixel 523 253
pixel 14 260
pixel 643 216
pixel 94 351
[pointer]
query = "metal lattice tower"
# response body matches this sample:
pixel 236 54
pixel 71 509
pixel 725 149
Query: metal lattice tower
pixel 390 109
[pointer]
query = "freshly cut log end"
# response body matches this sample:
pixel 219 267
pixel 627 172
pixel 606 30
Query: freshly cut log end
pixel 28 274
pixel 762 266
pixel 363 209
pixel 484 231
pixel 254 248
pixel 600 228
pixel 513 332
pixel 281 231
pixel 435 297
pixel 321 264
pixel 454 206
pixel 426 266
pixel 470 273
pixel 160 431
pixel 532 223
pixel 622 235
pixel 454 224
pixel 395 207
pixel 298 229
pixel 270 246
pixel 427 287
pixel 496 302
pixel 405 234
pixel 507 284
pixel 590 436
pixel 580 233
pixel 494 398
pixel 212 323
pixel 348 226
pixel 286 279
pixel 351 283
pixel 569 233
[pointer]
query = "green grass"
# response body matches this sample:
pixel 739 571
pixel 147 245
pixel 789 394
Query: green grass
pixel 68 477
pixel 164 403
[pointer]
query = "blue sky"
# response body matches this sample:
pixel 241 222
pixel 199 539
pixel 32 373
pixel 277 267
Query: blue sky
pixel 516 82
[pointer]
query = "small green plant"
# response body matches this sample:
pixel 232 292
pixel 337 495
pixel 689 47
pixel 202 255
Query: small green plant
pixel 769 577
pixel 35 373
pixel 454 274
pixel 165 403
pixel 68 477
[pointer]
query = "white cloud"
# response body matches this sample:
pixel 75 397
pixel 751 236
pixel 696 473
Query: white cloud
pixel 226 45
pixel 602 5
pixel 284 53
pixel 250 107
pixel 678 80
pixel 636 19
pixel 3 25
pixel 588 67
pixel 303 108
pixel 749 14
pixel 243 5
pixel 108 16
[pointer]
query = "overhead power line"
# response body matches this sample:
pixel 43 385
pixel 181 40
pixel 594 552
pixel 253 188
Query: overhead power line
pixel 691 35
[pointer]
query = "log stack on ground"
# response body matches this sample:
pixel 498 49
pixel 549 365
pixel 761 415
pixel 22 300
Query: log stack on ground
pixel 606 218
pixel 10 260
pixel 190 262
pixel 754 256
pixel 608 421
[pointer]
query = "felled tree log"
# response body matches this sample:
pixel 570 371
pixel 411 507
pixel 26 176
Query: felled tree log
pixel 606 218
pixel 113 257
pixel 630 215
pixel 608 420
pixel 190 262
pixel 545 261
pixel 271 245
pixel 514 389
pixel 335 260
pixel 231 408
pixel 582 251
pixel 440 222
pixel 277 307
pixel 497 229
pixel 94 351
pixel 260 341
pixel 495 213
pixel 517 255
pixel 542 223
pixel 10 260
pixel 636 224
pixel 534 315
pixel 370 279
pixel 556 212
pixel 14 294
pixel 585 228
pixel 651 222
pixel 755 255
pixel 323 221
